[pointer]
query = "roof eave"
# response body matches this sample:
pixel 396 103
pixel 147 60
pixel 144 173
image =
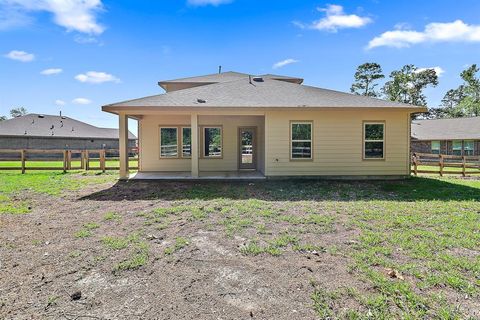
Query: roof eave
pixel 115 109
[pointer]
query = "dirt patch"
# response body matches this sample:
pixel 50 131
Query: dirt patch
pixel 173 251
pixel 46 258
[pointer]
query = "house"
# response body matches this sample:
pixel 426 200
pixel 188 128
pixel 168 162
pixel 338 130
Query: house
pixel 38 131
pixel 233 124
pixel 456 136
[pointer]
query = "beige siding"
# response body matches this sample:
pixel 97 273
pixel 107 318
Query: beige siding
pixel 337 143
pixel 150 142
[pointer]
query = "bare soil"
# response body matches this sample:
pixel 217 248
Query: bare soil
pixel 43 264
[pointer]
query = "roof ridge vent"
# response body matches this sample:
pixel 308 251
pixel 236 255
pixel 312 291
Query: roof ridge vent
pixel 257 79
pixel 41 116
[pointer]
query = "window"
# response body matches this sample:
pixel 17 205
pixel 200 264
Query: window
pixel 212 142
pixel 300 140
pixel 186 142
pixel 468 147
pixel 457 147
pixel 168 142
pixel 373 140
pixel 436 147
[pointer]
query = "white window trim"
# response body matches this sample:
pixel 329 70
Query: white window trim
pixel 160 142
pixel 371 140
pixel 203 142
pixel 181 142
pixel 292 141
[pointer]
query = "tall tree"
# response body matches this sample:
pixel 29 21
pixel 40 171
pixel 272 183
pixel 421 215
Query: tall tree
pixel 407 84
pixel 470 103
pixel 465 100
pixel 18 112
pixel 449 106
pixel 365 79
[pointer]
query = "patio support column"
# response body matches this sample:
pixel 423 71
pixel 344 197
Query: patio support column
pixel 194 144
pixel 123 144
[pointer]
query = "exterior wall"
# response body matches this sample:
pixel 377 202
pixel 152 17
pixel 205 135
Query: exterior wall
pixel 337 144
pixel 446 146
pixel 150 142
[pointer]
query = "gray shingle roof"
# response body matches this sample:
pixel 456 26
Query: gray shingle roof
pixel 34 125
pixel 210 78
pixel 269 93
pixel 446 129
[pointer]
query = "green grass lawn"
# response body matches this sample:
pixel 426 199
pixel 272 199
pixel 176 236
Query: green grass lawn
pixel 414 252
pixel 54 183
pixel 59 164
pixel 448 169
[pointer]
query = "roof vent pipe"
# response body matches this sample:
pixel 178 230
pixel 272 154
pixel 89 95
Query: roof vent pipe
pixel 250 79
pixel 219 69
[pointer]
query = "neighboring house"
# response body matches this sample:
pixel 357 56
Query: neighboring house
pixel 36 131
pixel 271 125
pixel 456 136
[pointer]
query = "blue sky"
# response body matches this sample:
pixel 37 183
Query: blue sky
pixel 76 55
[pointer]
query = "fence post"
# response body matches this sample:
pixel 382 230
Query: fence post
pixel 87 160
pixel 463 166
pixel 102 160
pixel 65 156
pixel 22 154
pixel 441 165
pixel 415 169
pixel 69 159
pixel 82 159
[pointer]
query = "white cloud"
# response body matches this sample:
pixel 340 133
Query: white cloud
pixel 283 63
pixel 456 31
pixel 60 103
pixel 81 101
pixel 207 2
pixel 20 56
pixel 337 19
pixel 438 70
pixel 96 77
pixel 51 71
pixel 74 15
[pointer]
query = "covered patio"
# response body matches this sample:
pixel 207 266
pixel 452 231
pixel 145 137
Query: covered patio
pixel 180 146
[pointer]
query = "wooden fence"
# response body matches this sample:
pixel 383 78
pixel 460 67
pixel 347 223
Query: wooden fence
pixel 66 157
pixel 464 164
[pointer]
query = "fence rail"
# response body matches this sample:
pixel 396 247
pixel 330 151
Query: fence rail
pixel 442 161
pixel 66 157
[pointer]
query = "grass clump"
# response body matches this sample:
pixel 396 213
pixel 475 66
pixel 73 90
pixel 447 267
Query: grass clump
pixel 83 233
pixel 138 259
pixel 180 243
pixel 119 243
pixel 110 216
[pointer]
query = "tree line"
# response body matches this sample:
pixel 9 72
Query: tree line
pixel 15 112
pixel 407 85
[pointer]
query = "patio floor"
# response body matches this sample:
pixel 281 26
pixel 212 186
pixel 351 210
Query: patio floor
pixel 210 175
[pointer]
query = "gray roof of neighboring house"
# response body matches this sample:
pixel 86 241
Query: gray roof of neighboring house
pixel 446 129
pixel 269 93
pixel 35 125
